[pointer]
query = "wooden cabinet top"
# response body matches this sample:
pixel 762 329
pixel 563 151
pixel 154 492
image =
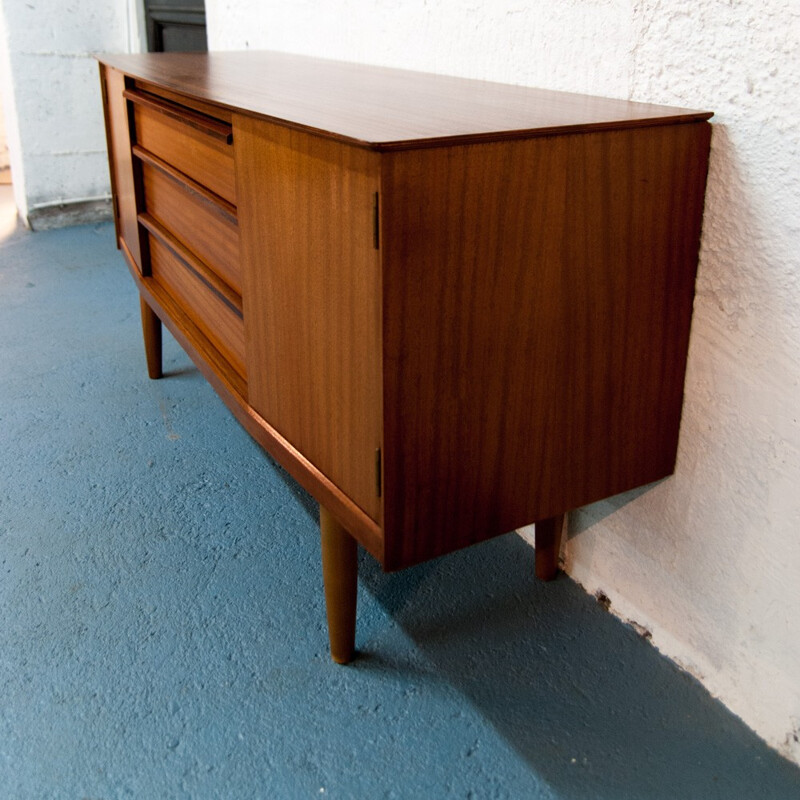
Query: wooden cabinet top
pixel 382 108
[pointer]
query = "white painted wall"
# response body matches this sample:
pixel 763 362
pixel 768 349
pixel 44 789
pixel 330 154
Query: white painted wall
pixel 10 114
pixel 708 560
pixel 50 89
pixel 4 157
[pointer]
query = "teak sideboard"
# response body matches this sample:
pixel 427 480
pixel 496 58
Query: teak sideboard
pixel 449 308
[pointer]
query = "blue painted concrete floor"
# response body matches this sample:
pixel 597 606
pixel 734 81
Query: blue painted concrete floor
pixel 162 613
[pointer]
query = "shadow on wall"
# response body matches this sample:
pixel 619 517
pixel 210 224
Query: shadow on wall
pixel 711 546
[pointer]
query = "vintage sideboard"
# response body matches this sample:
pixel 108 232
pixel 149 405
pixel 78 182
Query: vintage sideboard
pixel 449 308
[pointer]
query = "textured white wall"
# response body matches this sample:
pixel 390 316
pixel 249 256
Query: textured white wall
pixel 708 560
pixel 51 95
pixel 4 159
pixel 10 115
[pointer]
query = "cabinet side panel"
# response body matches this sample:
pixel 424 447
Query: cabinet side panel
pixel 537 303
pixel 120 160
pixel 311 295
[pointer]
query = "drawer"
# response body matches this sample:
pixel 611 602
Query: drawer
pixel 195 144
pixel 186 101
pixel 218 320
pixel 203 226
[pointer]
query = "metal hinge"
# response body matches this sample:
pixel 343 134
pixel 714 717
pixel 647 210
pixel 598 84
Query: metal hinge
pixel 378 479
pixel 376 222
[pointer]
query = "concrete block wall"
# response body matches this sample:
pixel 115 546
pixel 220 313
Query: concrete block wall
pixel 707 561
pixel 52 102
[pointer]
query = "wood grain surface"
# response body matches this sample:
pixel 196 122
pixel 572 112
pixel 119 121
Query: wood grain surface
pixel 509 344
pixel 311 292
pixel 197 222
pixel 380 107
pixel 221 324
pixel 340 576
pixel 120 161
pixel 220 203
pixel 206 159
pixel 232 389
pixel 537 297
pixel 151 333
pixel 185 100
pixel 186 115
pixel 549 533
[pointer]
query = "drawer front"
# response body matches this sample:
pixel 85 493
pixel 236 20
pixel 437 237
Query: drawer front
pixel 204 158
pixel 183 101
pixel 217 319
pixel 201 225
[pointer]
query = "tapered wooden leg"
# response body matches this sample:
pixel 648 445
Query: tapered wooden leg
pixel 548 545
pixel 340 574
pixel 151 330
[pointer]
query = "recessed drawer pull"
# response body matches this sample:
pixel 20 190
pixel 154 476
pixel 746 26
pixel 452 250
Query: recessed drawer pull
pixel 224 292
pixel 208 125
pixel 215 320
pixel 218 202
